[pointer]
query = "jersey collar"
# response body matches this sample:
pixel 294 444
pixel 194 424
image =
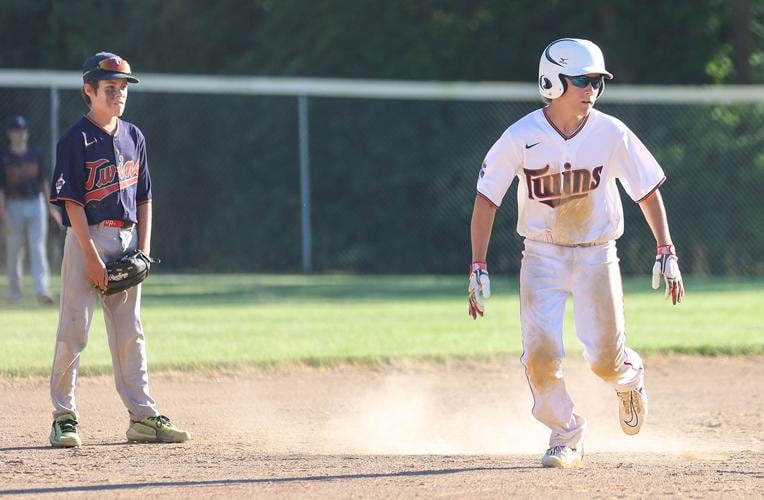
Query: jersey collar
pixel 575 132
pixel 116 130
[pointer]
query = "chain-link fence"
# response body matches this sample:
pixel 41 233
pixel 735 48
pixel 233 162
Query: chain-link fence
pixel 392 181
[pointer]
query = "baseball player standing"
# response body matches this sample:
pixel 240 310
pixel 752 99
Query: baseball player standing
pixel 567 157
pixel 102 181
pixel 24 210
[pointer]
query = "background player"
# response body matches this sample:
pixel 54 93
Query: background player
pixel 567 157
pixel 102 180
pixel 24 211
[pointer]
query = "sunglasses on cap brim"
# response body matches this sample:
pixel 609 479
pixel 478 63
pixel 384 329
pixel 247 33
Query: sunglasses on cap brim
pixel 113 65
pixel 582 81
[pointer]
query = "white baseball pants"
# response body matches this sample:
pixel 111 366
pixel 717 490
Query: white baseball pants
pixel 591 274
pixel 123 327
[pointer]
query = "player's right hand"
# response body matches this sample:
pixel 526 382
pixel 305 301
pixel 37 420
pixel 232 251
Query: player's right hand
pixel 95 270
pixel 479 288
pixel 667 265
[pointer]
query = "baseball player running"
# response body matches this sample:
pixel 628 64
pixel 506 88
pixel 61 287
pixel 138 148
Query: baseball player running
pixel 102 181
pixel 567 157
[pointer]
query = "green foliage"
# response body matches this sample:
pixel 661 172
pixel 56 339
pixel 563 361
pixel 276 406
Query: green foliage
pixel 198 322
pixel 645 42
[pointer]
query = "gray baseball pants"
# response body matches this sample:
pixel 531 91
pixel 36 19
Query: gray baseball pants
pixel 29 218
pixel 123 327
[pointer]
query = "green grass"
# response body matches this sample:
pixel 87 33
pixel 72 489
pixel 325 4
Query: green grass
pixel 231 321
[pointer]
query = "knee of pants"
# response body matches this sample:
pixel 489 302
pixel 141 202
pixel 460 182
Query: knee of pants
pixel 605 364
pixel 73 331
pixel 542 369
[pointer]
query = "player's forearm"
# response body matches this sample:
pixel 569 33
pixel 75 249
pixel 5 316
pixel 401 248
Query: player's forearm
pixel 79 222
pixel 46 190
pixel 483 214
pixel 655 215
pixel 144 227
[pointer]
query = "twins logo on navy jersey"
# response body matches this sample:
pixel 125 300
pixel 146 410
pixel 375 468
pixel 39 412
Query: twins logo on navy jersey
pixel 561 187
pixel 104 177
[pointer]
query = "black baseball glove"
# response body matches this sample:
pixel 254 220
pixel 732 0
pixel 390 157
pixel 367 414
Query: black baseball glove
pixel 127 271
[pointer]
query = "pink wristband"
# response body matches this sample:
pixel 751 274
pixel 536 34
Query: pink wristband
pixel 478 265
pixel 666 250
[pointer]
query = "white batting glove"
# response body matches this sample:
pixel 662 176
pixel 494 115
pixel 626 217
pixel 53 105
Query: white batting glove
pixel 667 264
pixel 479 289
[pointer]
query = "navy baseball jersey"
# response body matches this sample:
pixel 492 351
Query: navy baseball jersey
pixel 21 176
pixel 108 175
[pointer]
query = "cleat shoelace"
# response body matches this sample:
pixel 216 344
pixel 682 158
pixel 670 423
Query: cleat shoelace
pixel 556 451
pixel 626 401
pixel 68 426
pixel 161 421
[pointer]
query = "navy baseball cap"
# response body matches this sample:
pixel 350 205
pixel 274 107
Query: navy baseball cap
pixel 106 66
pixel 16 122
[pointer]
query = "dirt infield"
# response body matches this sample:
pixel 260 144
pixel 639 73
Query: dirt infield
pixel 420 430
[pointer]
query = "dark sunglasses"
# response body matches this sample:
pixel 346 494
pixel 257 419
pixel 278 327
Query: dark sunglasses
pixel 582 81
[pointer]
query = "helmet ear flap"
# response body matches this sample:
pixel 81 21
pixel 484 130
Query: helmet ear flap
pixel 564 84
pixel 549 86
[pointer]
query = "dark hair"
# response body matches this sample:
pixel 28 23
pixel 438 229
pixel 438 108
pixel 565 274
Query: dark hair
pixel 93 84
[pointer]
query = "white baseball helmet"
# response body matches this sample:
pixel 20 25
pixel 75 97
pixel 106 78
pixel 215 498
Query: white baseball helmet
pixel 569 57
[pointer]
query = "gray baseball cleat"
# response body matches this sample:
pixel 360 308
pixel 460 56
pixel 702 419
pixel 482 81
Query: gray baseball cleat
pixel 564 457
pixel 156 429
pixel 64 433
pixel 632 409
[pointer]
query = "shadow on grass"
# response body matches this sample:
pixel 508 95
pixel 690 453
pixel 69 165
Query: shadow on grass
pixel 239 482
pixel 256 289
pixel 163 290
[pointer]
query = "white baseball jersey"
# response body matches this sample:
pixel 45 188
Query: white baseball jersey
pixel 567 192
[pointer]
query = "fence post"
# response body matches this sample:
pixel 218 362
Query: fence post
pixel 56 249
pixel 304 139
pixel 54 121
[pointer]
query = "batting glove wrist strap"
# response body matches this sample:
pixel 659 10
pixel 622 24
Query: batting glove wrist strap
pixel 479 288
pixel 475 266
pixel 666 250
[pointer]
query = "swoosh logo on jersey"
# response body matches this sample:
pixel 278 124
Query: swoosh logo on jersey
pixel 529 147
pixel 87 144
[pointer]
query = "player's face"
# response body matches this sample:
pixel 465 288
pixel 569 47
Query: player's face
pixel 580 99
pixel 18 135
pixel 110 98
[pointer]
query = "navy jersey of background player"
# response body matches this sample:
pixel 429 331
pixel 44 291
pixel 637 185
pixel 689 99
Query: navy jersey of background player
pixel 108 175
pixel 21 176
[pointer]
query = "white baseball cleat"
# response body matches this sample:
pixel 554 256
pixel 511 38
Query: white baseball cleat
pixel 563 457
pixel 632 409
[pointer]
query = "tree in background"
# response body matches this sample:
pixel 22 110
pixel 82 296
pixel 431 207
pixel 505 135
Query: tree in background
pixel 703 41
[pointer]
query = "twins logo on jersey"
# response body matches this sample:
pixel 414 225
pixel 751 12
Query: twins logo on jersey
pixel 561 187
pixel 105 178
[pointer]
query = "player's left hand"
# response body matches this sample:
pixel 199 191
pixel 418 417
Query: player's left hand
pixel 479 289
pixel 667 265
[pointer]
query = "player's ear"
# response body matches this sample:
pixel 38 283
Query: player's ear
pixel 89 88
